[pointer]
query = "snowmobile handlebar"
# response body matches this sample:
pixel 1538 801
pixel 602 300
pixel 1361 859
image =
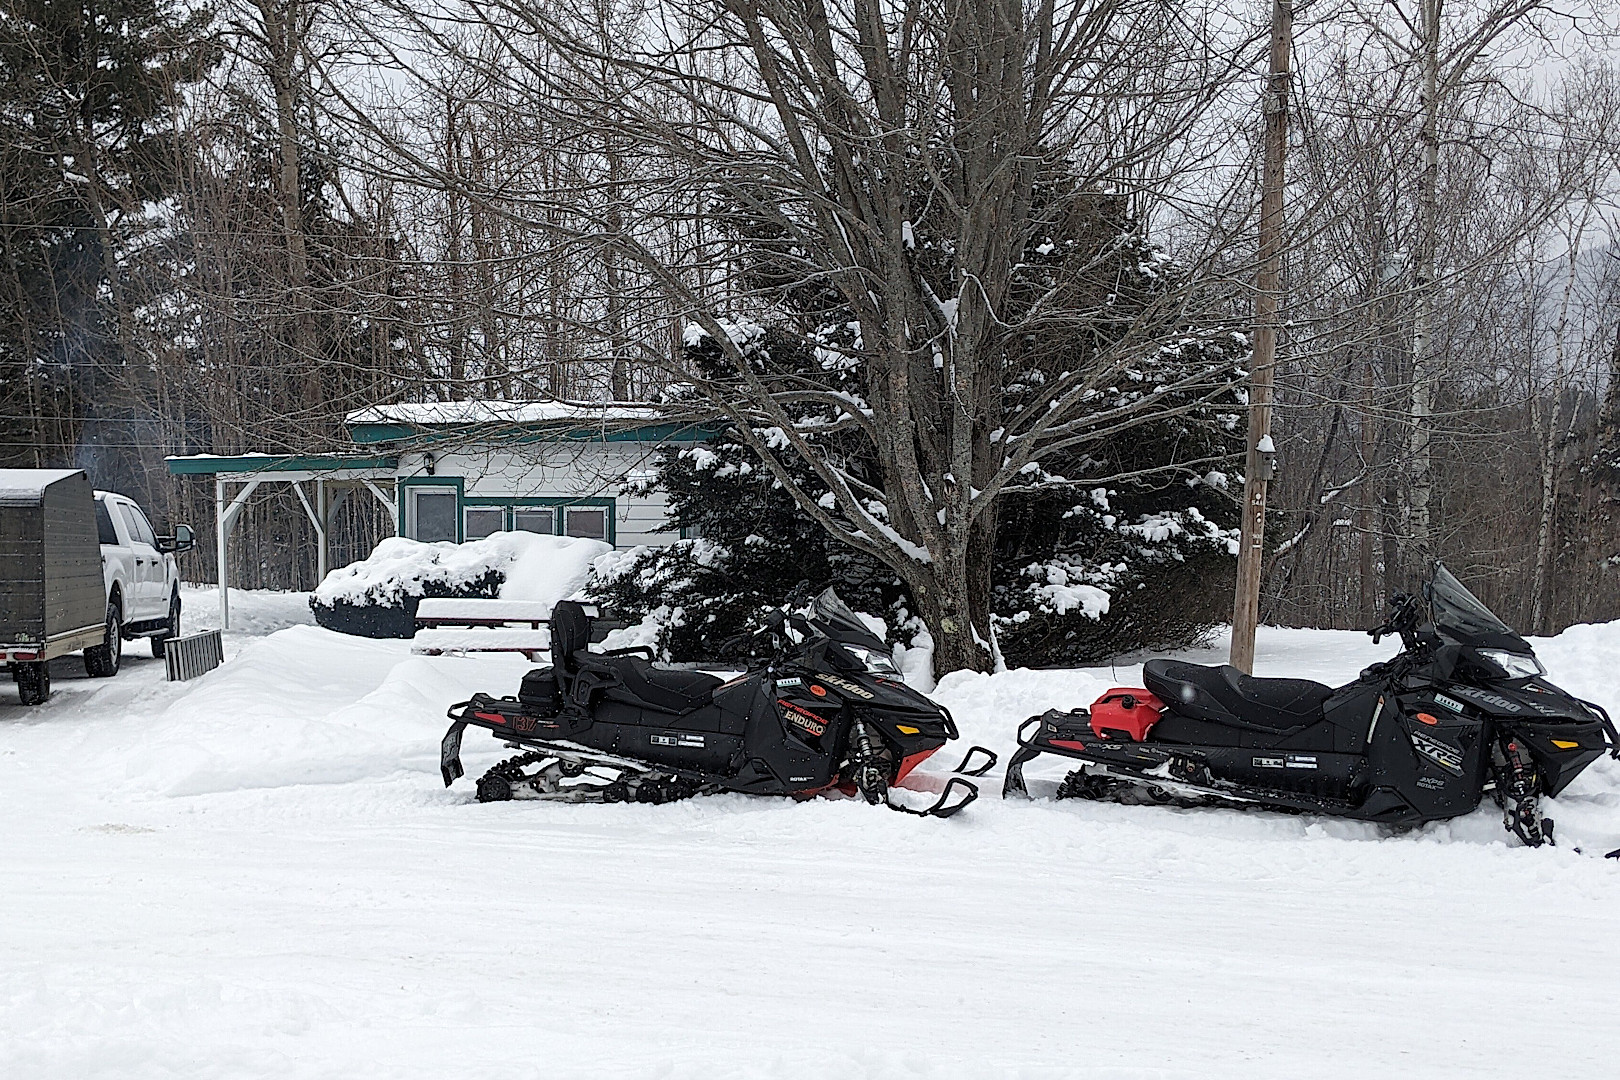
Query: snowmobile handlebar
pixel 1402 619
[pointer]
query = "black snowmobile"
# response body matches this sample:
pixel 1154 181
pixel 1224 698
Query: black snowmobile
pixel 826 710
pixel 1463 708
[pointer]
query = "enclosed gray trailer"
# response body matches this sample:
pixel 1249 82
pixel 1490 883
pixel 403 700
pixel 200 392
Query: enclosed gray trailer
pixel 53 596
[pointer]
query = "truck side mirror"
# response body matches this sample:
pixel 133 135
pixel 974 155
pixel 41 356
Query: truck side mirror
pixel 180 541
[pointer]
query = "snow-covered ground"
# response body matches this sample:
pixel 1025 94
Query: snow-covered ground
pixel 260 874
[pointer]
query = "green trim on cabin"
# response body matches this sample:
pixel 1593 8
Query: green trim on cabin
pixel 418 435
pixel 545 502
pixel 212 464
pixel 405 483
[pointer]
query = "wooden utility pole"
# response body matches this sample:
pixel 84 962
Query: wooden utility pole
pixel 1258 465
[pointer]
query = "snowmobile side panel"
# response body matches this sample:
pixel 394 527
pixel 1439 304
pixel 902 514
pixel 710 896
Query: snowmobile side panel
pixel 1436 763
pixel 1320 737
pixel 1347 712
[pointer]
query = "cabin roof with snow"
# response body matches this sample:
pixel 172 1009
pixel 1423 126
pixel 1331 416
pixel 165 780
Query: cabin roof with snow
pixel 424 422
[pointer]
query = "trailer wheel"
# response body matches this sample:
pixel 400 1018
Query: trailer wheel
pixel 101 661
pixel 33 682
pixel 171 629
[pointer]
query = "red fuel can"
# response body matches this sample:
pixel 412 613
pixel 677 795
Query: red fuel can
pixel 1125 713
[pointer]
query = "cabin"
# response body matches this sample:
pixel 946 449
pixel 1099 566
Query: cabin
pixel 461 470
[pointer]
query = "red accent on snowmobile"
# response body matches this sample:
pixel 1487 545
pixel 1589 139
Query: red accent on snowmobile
pixel 1070 744
pixel 909 763
pixel 494 718
pixel 1125 711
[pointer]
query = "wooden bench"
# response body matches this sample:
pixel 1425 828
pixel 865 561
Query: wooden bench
pixel 449 625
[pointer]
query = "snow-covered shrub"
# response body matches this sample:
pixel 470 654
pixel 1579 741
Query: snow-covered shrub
pixel 378 596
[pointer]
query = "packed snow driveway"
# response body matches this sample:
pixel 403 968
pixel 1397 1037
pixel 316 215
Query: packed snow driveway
pixel 261 874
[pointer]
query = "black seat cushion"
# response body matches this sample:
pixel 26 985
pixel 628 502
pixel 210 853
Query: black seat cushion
pixel 672 690
pixel 570 632
pixel 1224 694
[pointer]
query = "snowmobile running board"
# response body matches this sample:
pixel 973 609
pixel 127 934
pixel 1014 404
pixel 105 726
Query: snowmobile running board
pixel 664 783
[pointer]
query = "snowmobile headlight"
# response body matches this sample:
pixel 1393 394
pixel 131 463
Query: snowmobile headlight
pixel 876 662
pixel 1515 665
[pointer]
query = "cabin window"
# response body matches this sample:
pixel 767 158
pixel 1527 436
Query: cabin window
pixel 587 521
pixel 481 521
pixel 433 514
pixel 535 519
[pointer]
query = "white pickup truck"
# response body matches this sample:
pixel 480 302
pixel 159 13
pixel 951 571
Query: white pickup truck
pixel 143 583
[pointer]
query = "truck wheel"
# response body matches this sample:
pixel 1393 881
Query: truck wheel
pixel 171 629
pixel 33 682
pixel 101 661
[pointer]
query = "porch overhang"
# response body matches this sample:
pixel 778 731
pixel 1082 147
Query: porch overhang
pixel 328 474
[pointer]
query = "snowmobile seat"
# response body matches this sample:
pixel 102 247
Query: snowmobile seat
pixel 670 690
pixel 1225 695
pixel 570 632
pixel 629 679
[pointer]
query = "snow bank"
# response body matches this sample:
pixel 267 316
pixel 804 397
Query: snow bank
pixel 255 612
pixel 531 566
pixel 259 873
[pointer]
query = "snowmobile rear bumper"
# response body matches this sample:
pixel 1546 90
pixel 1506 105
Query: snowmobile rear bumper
pixel 1048 726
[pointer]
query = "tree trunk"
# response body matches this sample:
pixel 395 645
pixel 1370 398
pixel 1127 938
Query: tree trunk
pixel 1420 482
pixel 955 604
pixel 281 34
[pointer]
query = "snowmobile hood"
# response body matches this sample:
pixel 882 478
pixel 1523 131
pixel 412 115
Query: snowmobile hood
pixel 861 688
pixel 1535 700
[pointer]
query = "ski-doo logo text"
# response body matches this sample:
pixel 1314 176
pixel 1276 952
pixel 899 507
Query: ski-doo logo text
pixel 846 686
pixel 803 719
pixel 1489 699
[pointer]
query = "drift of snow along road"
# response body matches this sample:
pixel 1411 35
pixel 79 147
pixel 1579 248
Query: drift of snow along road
pixel 259 873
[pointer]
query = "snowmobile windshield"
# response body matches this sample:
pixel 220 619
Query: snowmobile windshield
pixel 841 624
pixel 1458 614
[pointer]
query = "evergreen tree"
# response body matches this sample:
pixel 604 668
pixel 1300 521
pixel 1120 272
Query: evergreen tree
pixel 87 96
pixel 1095 552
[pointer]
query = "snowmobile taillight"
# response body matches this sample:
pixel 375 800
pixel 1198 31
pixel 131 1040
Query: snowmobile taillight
pixel 1125 714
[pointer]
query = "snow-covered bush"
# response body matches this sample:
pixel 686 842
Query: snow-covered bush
pixel 378 596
